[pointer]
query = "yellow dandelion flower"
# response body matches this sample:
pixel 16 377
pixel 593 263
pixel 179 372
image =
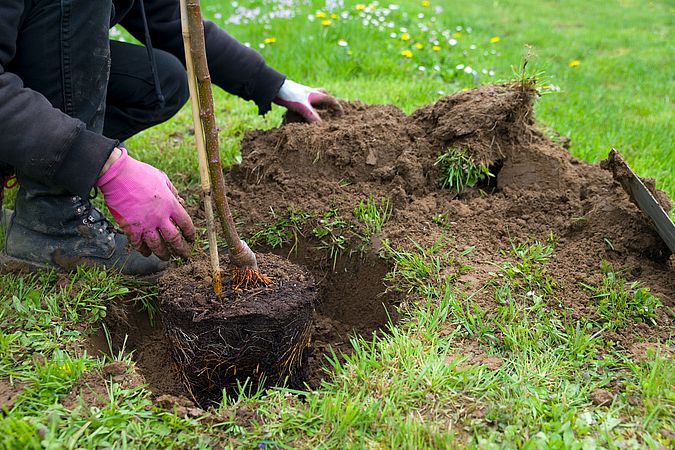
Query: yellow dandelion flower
pixel 333 16
pixel 457 34
pixel 436 48
pixel 494 39
pixel 372 6
pixel 425 3
pixel 406 53
pixel 574 63
pixel 270 40
pixel 320 14
pixel 360 7
pixel 326 22
pixel 419 45
pixel 405 36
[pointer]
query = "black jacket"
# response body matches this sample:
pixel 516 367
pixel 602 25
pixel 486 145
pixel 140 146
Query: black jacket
pixel 47 144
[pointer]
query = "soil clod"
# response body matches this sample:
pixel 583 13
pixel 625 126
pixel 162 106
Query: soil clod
pixel 9 392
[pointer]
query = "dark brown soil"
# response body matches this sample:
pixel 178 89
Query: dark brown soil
pixel 260 334
pixel 602 397
pixel 539 189
pixel 9 392
pixel 92 388
pixel 378 150
pixel 130 331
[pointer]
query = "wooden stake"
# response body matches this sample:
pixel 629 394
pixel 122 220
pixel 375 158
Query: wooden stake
pixel 201 155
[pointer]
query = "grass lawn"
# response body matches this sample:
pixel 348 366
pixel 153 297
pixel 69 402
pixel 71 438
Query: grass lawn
pixel 604 66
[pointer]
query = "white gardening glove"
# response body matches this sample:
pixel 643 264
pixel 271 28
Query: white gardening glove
pixel 302 99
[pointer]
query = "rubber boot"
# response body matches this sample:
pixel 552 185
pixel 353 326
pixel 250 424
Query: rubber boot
pixel 61 231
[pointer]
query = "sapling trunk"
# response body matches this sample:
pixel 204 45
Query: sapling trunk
pixel 240 254
pixel 201 153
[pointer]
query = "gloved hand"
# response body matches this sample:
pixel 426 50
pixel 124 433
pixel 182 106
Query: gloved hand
pixel 302 100
pixel 147 207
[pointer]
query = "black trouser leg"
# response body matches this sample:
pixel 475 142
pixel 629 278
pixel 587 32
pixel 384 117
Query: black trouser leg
pixel 132 103
pixel 62 52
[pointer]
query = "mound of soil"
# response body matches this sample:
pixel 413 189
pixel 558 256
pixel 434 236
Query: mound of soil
pixel 260 333
pixel 539 188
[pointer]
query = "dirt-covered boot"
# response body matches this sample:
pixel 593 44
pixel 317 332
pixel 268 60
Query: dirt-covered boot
pixel 64 231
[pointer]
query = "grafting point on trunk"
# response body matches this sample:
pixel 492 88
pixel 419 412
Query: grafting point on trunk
pixel 242 256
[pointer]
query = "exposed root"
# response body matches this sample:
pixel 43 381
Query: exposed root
pixel 292 360
pixel 248 278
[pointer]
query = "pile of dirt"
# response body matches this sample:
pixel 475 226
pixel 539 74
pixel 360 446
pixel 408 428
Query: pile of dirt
pixel 324 170
pixel 539 188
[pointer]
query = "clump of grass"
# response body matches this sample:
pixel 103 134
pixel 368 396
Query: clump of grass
pixel 335 245
pixel 283 230
pixel 620 302
pixel 527 77
pixel 414 270
pixel 373 215
pixel 458 170
pixel 330 230
pixel 530 271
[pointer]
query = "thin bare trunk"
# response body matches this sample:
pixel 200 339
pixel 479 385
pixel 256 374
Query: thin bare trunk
pixel 206 112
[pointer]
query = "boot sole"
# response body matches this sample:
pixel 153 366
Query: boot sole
pixel 10 264
pixel 14 265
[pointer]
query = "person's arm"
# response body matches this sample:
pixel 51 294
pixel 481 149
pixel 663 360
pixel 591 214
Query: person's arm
pixel 45 143
pixel 36 138
pixel 234 67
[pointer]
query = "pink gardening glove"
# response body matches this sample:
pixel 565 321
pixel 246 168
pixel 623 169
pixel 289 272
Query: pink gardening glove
pixel 302 100
pixel 147 207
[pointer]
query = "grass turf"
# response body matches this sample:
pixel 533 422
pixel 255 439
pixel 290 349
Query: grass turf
pixel 408 388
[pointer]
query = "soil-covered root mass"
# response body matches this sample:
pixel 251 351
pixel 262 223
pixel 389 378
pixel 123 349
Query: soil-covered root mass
pixel 261 334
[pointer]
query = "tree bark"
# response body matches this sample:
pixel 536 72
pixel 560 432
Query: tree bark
pixel 240 254
pixel 201 152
